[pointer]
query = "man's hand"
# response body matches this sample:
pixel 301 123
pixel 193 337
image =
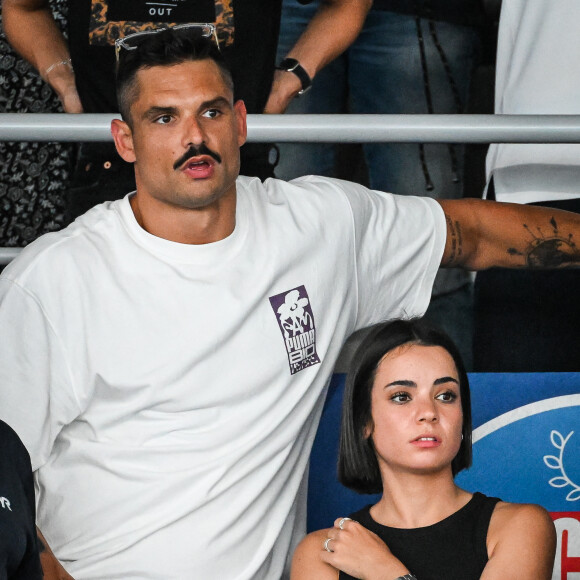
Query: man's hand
pixel 71 102
pixel 285 87
pixel 62 80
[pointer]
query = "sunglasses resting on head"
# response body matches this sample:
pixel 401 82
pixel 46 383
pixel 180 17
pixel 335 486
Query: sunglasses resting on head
pixel 133 41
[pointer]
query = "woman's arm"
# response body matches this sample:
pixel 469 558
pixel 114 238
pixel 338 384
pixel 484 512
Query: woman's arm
pixel 307 564
pixel 521 543
pixel 354 550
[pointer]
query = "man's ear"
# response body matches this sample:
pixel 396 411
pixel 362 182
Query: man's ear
pixel 240 112
pixel 123 137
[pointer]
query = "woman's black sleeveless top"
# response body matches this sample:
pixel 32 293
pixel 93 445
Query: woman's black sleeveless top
pixel 452 549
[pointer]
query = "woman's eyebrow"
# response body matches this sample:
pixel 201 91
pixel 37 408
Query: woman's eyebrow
pixel 401 383
pixel 443 380
pixel 412 384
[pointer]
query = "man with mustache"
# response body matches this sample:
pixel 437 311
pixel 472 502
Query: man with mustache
pixel 165 358
pixel 196 152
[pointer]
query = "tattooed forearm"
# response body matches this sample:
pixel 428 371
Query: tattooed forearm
pixel 455 239
pixel 552 250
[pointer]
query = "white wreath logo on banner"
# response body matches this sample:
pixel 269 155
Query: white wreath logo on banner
pixel 554 462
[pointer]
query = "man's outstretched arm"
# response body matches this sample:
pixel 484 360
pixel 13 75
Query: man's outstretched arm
pixel 482 234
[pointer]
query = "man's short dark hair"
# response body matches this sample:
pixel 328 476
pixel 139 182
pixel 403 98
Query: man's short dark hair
pixel 358 467
pixel 165 48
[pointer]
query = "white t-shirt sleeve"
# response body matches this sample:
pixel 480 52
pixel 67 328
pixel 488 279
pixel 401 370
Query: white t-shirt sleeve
pixel 398 245
pixel 36 393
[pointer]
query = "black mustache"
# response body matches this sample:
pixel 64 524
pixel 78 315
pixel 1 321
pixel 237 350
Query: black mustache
pixel 195 152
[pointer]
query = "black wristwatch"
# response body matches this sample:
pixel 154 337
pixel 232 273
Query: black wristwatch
pixel 293 66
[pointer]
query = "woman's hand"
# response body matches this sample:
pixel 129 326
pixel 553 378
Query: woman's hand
pixel 352 548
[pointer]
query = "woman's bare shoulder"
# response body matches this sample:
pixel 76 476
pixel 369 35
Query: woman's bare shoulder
pixel 521 542
pixel 520 514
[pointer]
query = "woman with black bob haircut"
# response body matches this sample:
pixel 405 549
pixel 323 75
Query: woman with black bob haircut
pixel 358 468
pixel 406 433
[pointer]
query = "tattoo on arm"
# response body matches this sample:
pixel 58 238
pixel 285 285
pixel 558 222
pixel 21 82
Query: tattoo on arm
pixel 455 238
pixel 552 250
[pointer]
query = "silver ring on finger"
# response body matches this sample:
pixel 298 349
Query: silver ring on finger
pixel 326 542
pixel 341 523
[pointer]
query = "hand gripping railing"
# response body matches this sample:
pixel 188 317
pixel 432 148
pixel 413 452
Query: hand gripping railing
pixel 321 128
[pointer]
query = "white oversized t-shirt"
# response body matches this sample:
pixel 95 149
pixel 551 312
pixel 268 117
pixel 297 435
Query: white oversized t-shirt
pixel 169 394
pixel 537 61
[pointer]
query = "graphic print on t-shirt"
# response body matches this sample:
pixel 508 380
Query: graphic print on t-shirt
pixel 112 19
pixel 296 321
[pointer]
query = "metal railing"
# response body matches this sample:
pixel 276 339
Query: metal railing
pixel 327 128
pixel 320 128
